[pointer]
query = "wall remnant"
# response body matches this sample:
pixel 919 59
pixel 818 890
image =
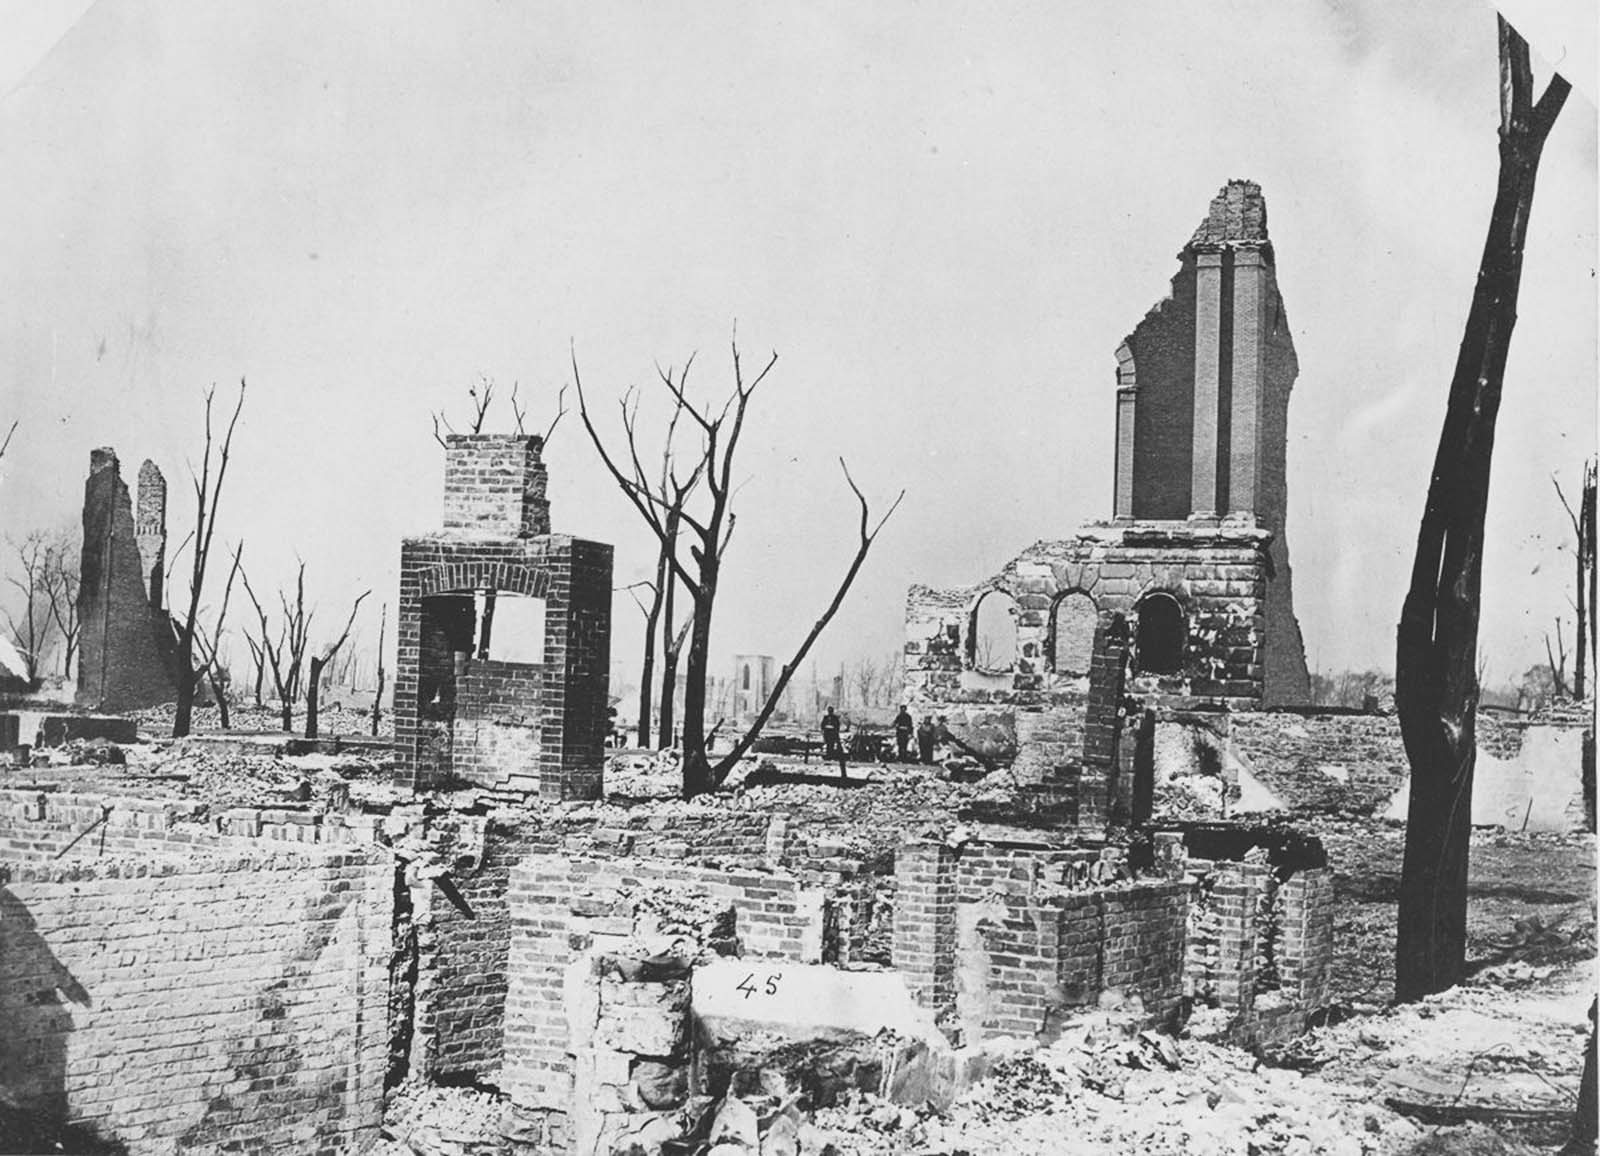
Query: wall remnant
pixel 128 652
pixel 256 987
pixel 1194 557
pixel 1014 938
pixel 504 635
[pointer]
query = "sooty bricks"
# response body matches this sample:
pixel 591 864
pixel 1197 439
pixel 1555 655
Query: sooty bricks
pixel 504 635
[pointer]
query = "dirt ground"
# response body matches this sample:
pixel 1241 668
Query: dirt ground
pixel 1545 882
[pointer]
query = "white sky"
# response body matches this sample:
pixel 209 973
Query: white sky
pixel 945 218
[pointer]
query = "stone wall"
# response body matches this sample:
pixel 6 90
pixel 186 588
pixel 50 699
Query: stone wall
pixel 128 656
pixel 209 1004
pixel 1217 576
pixel 563 907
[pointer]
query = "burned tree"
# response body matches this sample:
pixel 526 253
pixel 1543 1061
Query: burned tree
pixel 317 662
pixel 377 694
pixel 207 493
pixel 658 616
pixel 705 531
pixel 211 665
pixel 32 630
pixel 1583 590
pixel 61 592
pixel 285 655
pixel 1436 691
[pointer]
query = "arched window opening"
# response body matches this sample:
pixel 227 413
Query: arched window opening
pixel 1161 633
pixel 994 633
pixel 1072 628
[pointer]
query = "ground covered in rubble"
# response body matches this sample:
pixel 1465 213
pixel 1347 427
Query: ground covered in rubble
pixel 1491 1066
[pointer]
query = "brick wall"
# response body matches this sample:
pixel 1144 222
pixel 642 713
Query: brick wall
pixel 1162 348
pixel 463 949
pixel 126 658
pixel 1011 939
pixel 202 1004
pixel 44 826
pixel 924 942
pixel 495 484
pixel 1259 948
pixel 523 728
pixel 563 906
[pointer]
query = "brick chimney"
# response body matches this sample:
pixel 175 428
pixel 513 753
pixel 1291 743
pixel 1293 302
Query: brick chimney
pixel 494 485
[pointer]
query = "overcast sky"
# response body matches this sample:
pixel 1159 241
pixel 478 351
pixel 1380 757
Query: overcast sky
pixel 943 217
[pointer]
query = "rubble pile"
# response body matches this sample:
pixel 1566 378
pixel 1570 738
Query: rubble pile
pixel 428 1120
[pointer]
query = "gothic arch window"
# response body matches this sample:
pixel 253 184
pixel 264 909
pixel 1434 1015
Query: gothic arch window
pixel 1161 633
pixel 993 646
pixel 1072 625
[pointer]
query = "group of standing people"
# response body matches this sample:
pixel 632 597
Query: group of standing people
pixel 927 735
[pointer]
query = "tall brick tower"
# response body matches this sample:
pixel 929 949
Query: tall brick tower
pixel 127 655
pixel 1202 408
pixel 504 635
pixel 1194 557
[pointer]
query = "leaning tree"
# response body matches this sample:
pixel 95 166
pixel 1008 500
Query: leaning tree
pixel 692 513
pixel 1436 684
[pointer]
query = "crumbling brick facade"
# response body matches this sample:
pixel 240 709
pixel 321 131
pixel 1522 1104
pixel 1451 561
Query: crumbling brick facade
pixel 1014 938
pixel 1194 557
pixel 128 654
pixel 517 703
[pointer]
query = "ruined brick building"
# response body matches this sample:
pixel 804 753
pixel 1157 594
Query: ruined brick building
pixel 128 656
pixel 505 635
pixel 1194 559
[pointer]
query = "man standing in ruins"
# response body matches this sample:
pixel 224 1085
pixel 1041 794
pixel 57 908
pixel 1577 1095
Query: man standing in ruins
pixel 903 726
pixel 925 737
pixel 831 748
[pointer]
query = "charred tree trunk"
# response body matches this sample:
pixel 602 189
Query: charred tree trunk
pixel 1585 1124
pixel 1436 691
pixel 697 779
pixel 652 625
pixel 377 695
pixel 1587 516
pixel 314 694
pixel 207 494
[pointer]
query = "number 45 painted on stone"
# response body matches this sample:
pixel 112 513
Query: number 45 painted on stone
pixel 748 985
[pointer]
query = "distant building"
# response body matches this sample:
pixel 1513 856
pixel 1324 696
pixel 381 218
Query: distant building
pixel 752 683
